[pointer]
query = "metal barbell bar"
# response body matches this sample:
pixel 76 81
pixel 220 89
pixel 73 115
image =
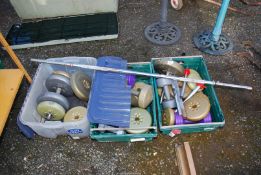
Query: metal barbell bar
pixel 107 69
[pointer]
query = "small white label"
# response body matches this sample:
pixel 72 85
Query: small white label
pixel 209 129
pixel 137 140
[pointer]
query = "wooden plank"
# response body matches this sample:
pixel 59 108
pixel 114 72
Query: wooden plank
pixel 182 160
pixel 10 80
pixel 185 159
pixel 14 57
pixel 190 159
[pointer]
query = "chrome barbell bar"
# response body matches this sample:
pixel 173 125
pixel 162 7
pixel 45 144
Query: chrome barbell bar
pixel 107 69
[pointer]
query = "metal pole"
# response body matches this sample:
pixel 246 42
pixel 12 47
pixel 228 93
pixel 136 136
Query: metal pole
pixel 164 11
pixel 107 69
pixel 220 20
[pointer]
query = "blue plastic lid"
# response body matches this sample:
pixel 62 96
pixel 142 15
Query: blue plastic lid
pixel 110 97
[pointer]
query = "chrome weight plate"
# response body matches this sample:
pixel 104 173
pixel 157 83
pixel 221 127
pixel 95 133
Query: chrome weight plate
pixel 63 73
pixel 50 110
pixel 59 81
pixel 197 107
pixel 75 114
pixel 165 66
pixel 193 75
pixel 81 85
pixel 139 118
pixel 168 117
pixel 54 97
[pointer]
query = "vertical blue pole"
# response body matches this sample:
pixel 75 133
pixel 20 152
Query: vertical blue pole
pixel 220 20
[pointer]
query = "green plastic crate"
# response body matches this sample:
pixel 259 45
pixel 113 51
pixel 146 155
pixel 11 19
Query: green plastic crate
pixel 197 63
pixel 148 136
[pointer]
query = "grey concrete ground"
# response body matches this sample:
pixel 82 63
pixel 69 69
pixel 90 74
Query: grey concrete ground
pixel 234 149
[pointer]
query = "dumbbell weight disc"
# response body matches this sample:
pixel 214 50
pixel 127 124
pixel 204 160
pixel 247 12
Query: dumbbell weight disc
pixel 81 85
pixel 139 118
pixel 75 114
pixel 145 95
pixel 55 110
pixel 54 97
pixel 168 117
pixel 197 107
pixel 193 75
pixel 169 104
pixel 135 99
pixel 63 73
pixel 169 66
pixel 161 82
pixel 59 81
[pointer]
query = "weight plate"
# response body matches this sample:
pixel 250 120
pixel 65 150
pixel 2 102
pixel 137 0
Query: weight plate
pixel 173 67
pixel 197 107
pixel 161 82
pixel 59 81
pixel 145 97
pixel 54 97
pixel 81 85
pixel 168 117
pixel 193 75
pixel 75 114
pixel 169 104
pixel 137 87
pixel 134 100
pixel 139 118
pixel 63 73
pixel 50 110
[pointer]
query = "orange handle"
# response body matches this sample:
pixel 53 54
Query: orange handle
pixel 14 57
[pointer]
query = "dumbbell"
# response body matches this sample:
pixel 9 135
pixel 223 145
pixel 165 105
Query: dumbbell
pixel 170 67
pixel 179 120
pixel 141 95
pixel 53 105
pixel 165 83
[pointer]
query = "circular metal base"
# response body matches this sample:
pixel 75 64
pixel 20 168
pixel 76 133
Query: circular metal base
pixel 204 43
pixel 162 33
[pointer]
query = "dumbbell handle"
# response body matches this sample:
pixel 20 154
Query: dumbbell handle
pixel 107 69
pixel 166 92
pixel 58 90
pixel 49 116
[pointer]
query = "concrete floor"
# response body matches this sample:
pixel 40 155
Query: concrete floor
pixel 234 149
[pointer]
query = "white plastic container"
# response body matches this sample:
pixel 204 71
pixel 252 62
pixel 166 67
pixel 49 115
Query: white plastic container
pixel 51 129
pixel 31 9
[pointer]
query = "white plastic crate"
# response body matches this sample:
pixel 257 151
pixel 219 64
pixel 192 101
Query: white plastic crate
pixel 51 129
